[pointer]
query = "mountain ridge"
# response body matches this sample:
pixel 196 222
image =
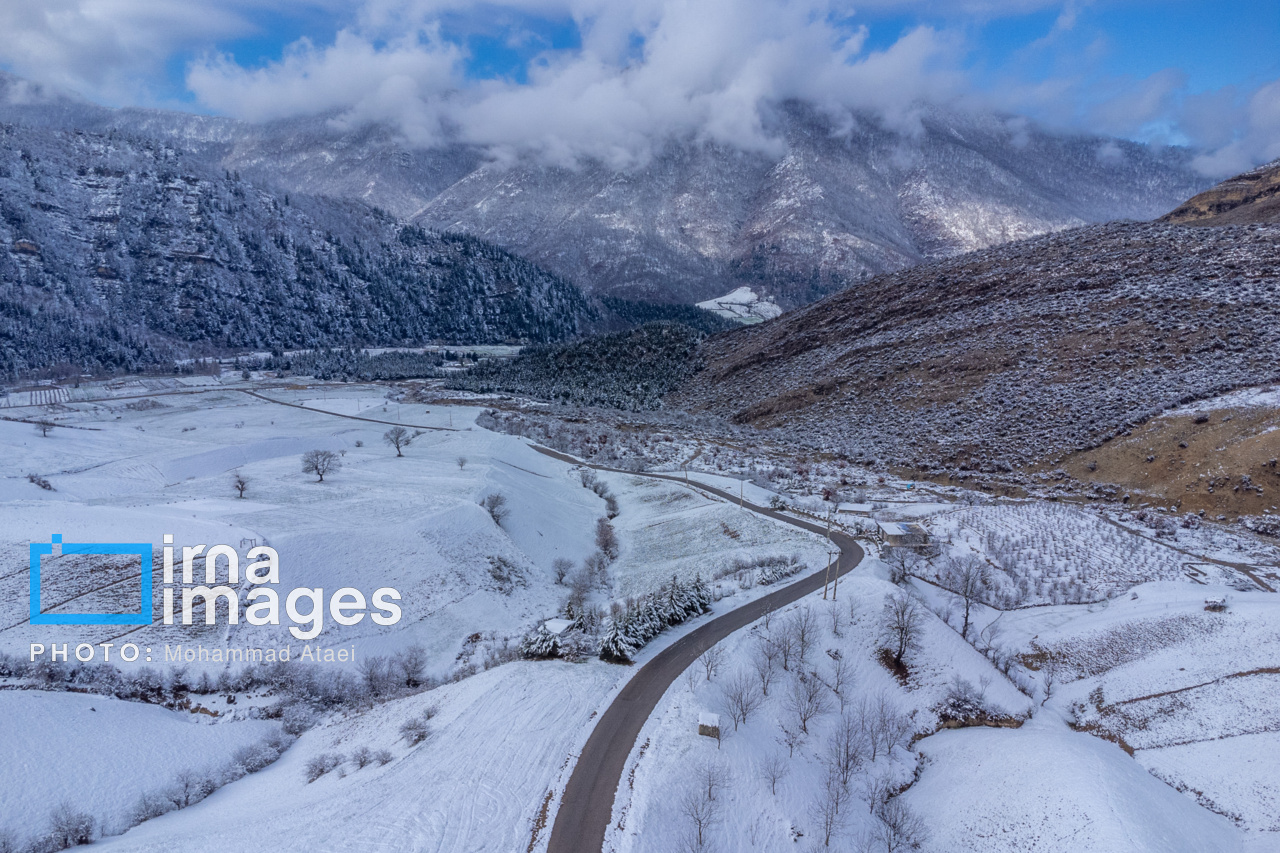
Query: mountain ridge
pixel 1253 196
pixel 119 252
pixel 842 202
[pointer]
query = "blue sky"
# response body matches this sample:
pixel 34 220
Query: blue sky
pixel 1180 71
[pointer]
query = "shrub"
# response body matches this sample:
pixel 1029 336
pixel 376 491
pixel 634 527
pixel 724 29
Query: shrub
pixel 415 730
pixel 321 764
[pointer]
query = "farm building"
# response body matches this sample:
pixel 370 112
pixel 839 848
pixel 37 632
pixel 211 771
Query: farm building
pixel 898 534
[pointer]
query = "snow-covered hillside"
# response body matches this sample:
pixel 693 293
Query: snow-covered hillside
pixel 836 200
pixel 743 305
pixel 101 755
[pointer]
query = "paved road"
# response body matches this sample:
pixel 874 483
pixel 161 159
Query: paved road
pixel 587 804
pixel 267 399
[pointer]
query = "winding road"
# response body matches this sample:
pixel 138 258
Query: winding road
pixel 587 804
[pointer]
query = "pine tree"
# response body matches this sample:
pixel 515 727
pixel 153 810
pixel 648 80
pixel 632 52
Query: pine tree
pixel 540 644
pixel 617 645
pixel 701 595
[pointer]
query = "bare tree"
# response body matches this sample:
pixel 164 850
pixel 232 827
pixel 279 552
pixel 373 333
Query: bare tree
pixel 806 699
pixel 902 625
pixel 190 787
pixel 399 438
pixel 596 565
pixel 496 505
pixel 773 767
pixel 902 562
pixel 846 748
pixel 966 579
pixel 579 588
pixel 320 462
pixel 606 538
pixel 839 673
pixel 1048 675
pixel 784 643
pixel 373 672
pixel 44 426
pixel 741 697
pixel 701 814
pixel 898 829
pixel 240 483
pixel 560 568
pixel 411 661
pixel 790 738
pixel 837 620
pixel 711 777
pixel 875 790
pixel 987 638
pixel 804 628
pixel 692 678
pixel 885 724
pixel 764 660
pixel 828 811
pixel 462 462
pixel 711 660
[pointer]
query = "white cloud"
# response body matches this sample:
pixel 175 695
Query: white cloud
pixel 103 48
pixel 646 71
pixel 704 69
pixel 404 81
pixel 1256 136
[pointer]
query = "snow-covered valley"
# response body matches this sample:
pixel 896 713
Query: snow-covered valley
pixel 1102 708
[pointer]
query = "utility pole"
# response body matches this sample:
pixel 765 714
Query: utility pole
pixel 836 585
pixel 826 578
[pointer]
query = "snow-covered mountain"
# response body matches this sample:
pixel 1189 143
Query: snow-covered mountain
pixel 118 252
pixel 837 202
pixel 1010 357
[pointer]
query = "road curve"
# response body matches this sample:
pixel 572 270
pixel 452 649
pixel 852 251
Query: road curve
pixel 587 804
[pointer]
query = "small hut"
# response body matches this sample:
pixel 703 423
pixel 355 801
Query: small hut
pixel 900 534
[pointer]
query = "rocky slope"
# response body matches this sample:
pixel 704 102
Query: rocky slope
pixel 835 203
pixel 118 252
pixel 1251 197
pixel 1012 356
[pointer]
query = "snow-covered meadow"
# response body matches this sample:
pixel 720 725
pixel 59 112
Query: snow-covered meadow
pixel 473 582
pixel 1045 553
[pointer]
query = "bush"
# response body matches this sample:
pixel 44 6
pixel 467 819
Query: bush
pixel 69 828
pixel 297 718
pixel 415 730
pixel 496 505
pixel 383 757
pixel 321 764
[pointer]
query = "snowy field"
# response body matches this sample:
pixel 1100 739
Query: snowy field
pixel 671 529
pixel 101 755
pixel 1046 789
pixel 1190 692
pixel 1042 553
pixel 137 468
pixel 754 813
pixel 412 523
pixel 498 743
